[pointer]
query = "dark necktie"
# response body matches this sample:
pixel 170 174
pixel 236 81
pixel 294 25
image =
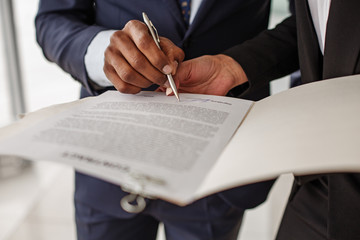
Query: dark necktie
pixel 185 10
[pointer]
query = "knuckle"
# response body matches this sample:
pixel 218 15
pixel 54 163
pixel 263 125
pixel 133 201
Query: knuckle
pixel 159 63
pixel 127 76
pixel 121 87
pixel 180 53
pixel 177 53
pixel 134 26
pixel 122 38
pixel 160 79
pixel 138 61
pixel 113 60
pixel 115 36
pixel 142 41
pixel 118 38
pixel 110 73
pixel 130 24
pixel 108 53
pixel 106 68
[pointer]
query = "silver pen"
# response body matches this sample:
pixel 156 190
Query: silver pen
pixel 156 38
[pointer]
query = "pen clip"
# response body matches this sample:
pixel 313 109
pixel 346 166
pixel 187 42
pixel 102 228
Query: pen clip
pixel 152 29
pixel 155 32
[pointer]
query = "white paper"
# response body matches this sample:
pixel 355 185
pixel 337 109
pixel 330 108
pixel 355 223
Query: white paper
pixel 180 152
pixel 314 128
pixel 148 143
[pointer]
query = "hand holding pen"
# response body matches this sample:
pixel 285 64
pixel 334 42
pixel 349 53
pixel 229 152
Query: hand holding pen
pixel 134 61
pixel 156 38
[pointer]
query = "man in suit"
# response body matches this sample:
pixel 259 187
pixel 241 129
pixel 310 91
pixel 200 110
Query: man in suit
pixel 75 34
pixel 323 39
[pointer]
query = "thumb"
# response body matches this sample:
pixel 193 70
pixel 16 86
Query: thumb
pixel 183 74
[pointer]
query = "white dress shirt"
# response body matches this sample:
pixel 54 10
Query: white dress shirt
pixel 320 13
pixel 94 57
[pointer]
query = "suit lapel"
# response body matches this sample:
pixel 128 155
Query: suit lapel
pixel 342 42
pixel 200 16
pixel 309 50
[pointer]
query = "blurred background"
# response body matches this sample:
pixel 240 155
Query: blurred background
pixel 36 197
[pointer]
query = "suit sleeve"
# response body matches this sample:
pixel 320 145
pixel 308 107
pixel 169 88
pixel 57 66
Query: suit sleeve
pixel 247 196
pixel 64 29
pixel 270 55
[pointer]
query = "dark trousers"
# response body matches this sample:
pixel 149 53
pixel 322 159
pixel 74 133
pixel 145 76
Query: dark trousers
pixel 209 219
pixel 305 216
pixel 324 207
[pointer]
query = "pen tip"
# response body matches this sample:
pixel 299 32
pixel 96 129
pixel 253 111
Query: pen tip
pixel 177 96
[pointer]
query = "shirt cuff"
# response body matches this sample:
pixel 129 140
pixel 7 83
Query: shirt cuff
pixel 94 58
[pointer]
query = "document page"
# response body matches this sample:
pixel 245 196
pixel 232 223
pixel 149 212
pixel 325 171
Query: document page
pixel 149 143
pixel 310 129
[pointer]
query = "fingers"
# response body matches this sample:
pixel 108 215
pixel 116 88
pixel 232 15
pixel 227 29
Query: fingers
pixel 124 76
pixel 139 34
pixel 124 56
pixel 199 75
pixel 184 75
pixel 133 60
pixel 214 75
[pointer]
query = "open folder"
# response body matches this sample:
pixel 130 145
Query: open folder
pixel 154 146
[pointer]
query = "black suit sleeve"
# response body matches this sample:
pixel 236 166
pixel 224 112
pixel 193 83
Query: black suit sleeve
pixel 64 29
pixel 270 55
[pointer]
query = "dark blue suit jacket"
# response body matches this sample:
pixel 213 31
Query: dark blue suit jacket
pixel 66 27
